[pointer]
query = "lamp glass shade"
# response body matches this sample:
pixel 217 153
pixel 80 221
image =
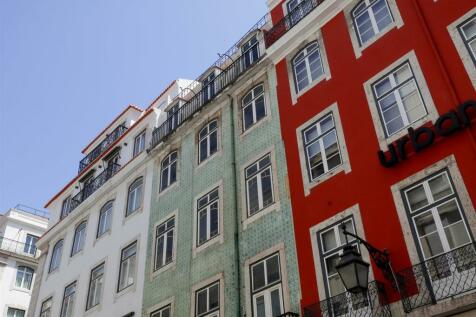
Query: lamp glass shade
pixel 353 271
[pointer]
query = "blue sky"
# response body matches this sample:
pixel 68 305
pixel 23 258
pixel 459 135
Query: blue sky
pixel 69 67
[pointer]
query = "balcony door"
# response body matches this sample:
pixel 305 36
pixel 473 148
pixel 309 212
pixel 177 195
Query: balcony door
pixel 173 117
pixel 209 87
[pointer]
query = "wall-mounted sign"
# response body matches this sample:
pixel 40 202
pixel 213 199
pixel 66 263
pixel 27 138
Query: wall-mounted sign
pixel 424 137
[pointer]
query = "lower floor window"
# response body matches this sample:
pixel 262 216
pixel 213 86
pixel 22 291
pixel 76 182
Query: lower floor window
pixel 13 312
pixel 68 300
pixel 162 312
pixel 207 301
pixel 208 217
pixel 95 286
pixel 46 308
pixel 127 267
pixel 24 277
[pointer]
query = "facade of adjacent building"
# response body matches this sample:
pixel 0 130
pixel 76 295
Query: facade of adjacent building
pixel 20 229
pixel 377 109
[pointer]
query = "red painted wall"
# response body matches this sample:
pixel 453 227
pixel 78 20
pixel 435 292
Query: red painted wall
pixel 368 184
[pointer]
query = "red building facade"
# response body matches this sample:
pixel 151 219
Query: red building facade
pixel 378 117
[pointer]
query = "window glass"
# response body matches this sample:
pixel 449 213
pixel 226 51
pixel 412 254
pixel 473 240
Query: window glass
pixel 208 141
pixel 105 218
pixel 253 107
pixel 207 217
pixel 24 277
pixel 139 144
pixel 68 300
pixel 370 18
pixel 56 255
pixel 95 286
pixel 13 312
pixel 207 301
pixel 164 243
pixel 259 185
pixel 134 198
pixel 127 267
pixel 307 66
pixel 267 287
pixel 168 174
pixel 79 238
pixel 46 308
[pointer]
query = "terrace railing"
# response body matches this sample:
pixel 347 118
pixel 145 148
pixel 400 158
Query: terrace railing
pixel 32 211
pixel 20 248
pixel 102 147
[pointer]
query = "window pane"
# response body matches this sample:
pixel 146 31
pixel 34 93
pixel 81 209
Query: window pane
pixel 272 267
pixel 160 252
pixel 214 297
pixel 260 306
pixel 214 220
pixel 253 195
pixel 202 223
pixel 170 244
pixel 213 142
pixel 267 189
pixel 248 116
pixel 412 102
pixel 457 235
pixel 383 87
pixel 276 302
pixel 173 172
pixel 258 276
pixel 382 14
pixel 417 197
pixel 440 187
pixel 469 29
pixel 203 149
pixel 329 241
pixel 364 27
pixel 202 302
pixel 331 150
pixel 449 213
pixel 260 108
pixel 311 134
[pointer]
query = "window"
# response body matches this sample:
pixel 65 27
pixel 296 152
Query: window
pixel 207 301
pixel 13 312
pixel 30 244
pixel 105 218
pixel 259 185
pixel 139 143
pixel 168 171
pixel 209 87
pixel 164 243
pixel 266 287
pixel 321 147
pixel 253 107
pixel 162 312
pixel 468 33
pixel 134 197
pixel 56 255
pixel 46 308
pixel 66 207
pixel 307 66
pixel 79 238
pixel 398 99
pixel 24 277
pixel 250 51
pixel 173 117
pixel 68 300
pixel 95 286
pixel 207 217
pixel 370 18
pixel 127 266
pixel 208 141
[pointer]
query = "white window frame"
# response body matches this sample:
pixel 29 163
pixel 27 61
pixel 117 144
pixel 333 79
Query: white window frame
pixel 247 50
pixel 252 104
pixel 166 165
pixel 207 208
pixel 136 190
pixel 56 256
pixel 30 247
pixel 259 176
pixel 105 218
pixel 207 137
pixel 305 50
pixel 210 312
pixel 139 143
pixel 79 238
pixel 95 287
pixel 124 264
pixel 17 312
pixel 173 229
pixel 67 304
pixel 159 312
pixel 370 10
pixel 65 207
pixel 27 275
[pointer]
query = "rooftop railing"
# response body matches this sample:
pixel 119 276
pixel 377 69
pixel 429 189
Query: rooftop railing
pixel 32 211
pixel 102 147
pixel 19 248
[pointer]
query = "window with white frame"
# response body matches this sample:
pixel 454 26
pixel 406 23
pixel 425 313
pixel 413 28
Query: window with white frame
pixel 134 196
pixel 96 282
pixel 24 277
pixel 307 66
pixel 174 116
pixel 208 85
pixel 207 301
pixel 208 217
pixel 253 106
pixel 30 244
pixel 14 312
pixel 468 32
pixel 162 312
pixel 250 51
pixel 139 144
pixel 56 256
pixel 105 218
pixel 65 207
pixel 45 310
pixel 321 146
pixel 168 170
pixel 69 296
pixel 370 17
pixel 266 287
pixel 398 99
pixel 79 238
pixel 208 141
pixel 259 185
pixel 164 243
pixel 127 266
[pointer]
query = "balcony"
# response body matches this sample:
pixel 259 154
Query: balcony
pixel 373 302
pixel 18 248
pixel 32 211
pixel 290 20
pixel 438 278
pixel 102 147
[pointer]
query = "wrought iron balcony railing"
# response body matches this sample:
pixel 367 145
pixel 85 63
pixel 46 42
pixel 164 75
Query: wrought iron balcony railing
pixel 290 20
pixel 102 147
pixel 373 302
pixel 438 278
pixel 20 248
pixel 201 98
pixel 289 314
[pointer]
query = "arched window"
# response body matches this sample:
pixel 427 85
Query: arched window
pixel 370 18
pixel 307 66
pixel 24 277
pixel 105 218
pixel 79 237
pixel 207 141
pixel 168 170
pixel 56 255
pixel 253 107
pixel 134 197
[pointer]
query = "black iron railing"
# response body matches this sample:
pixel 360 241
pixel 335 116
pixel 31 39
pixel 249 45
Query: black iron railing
pixel 373 302
pixel 289 314
pixel 443 276
pixel 290 20
pixel 201 98
pixel 17 247
pixel 102 147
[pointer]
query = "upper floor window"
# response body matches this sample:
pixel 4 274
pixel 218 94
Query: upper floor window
pixel 127 266
pixel 253 106
pixel 65 207
pixel 164 243
pixel 56 255
pixel 96 282
pixel 250 51
pixel 134 196
pixel 207 217
pixel 105 218
pixel 14 312
pixel 173 116
pixel 139 143
pixel 208 141
pixel 266 287
pixel 209 87
pixel 468 33
pixel 45 310
pixel 69 297
pixel 79 238
pixel 307 66
pixel 370 18
pixel 162 312
pixel 398 99
pixel 30 244
pixel 259 185
pixel 24 277
pixel 321 147
pixel 168 171
pixel 207 301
